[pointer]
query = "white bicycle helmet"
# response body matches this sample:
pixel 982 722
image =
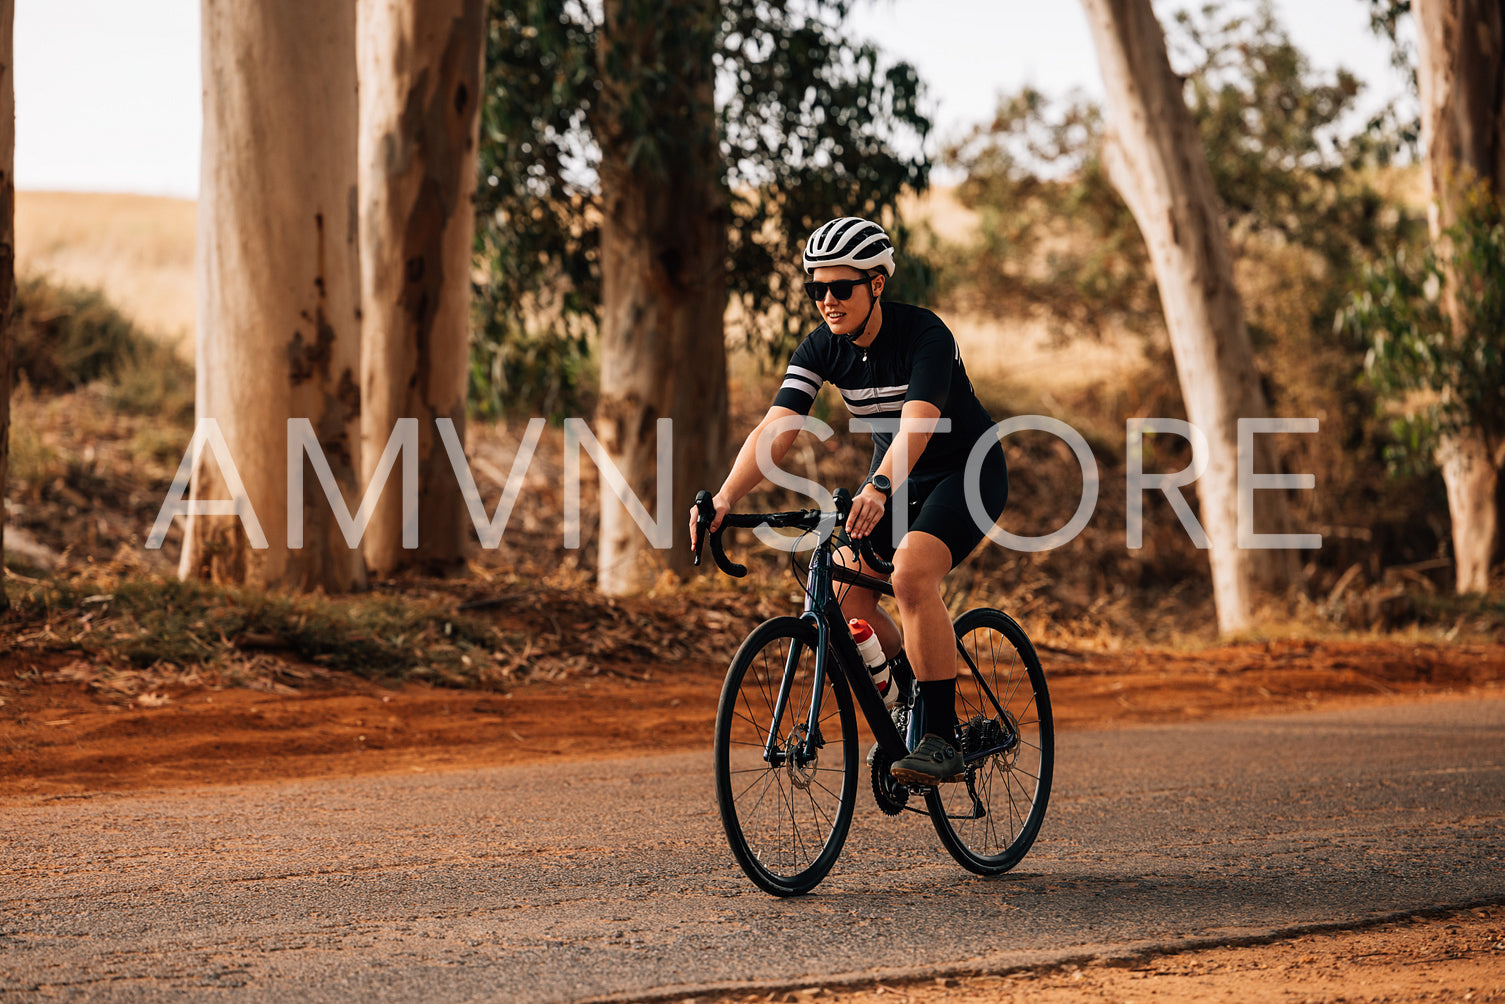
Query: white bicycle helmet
pixel 853 241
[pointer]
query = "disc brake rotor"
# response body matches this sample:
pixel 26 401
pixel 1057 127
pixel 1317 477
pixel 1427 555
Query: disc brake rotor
pixel 1007 757
pixel 801 775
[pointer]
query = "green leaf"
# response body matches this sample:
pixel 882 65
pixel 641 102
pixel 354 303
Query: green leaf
pixel 788 80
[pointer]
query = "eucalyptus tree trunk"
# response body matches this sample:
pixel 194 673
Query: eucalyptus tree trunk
pixel 663 272
pixel 1461 76
pixel 7 250
pixel 420 100
pixel 1153 153
pixel 279 286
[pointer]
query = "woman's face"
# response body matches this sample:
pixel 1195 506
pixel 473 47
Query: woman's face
pixel 843 316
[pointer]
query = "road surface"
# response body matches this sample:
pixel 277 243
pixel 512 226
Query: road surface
pixel 611 879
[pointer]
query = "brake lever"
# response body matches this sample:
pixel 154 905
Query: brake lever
pixel 843 499
pixel 705 508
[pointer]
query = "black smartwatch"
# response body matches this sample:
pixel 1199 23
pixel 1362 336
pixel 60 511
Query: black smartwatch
pixel 882 483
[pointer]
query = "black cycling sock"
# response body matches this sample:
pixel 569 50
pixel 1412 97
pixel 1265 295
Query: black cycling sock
pixel 938 698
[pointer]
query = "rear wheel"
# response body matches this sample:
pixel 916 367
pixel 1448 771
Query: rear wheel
pixel 1005 730
pixel 786 802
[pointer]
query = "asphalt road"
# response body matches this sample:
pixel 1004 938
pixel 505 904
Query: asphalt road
pixel 611 879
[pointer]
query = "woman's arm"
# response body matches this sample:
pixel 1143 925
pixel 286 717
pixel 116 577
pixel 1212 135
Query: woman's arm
pixel 746 473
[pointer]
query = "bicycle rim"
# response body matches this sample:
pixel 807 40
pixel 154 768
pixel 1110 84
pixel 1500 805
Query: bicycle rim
pixel 991 832
pixel 786 816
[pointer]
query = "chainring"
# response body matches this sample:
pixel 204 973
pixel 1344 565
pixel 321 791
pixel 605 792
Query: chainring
pixel 890 794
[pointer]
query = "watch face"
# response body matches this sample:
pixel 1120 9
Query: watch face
pixel 882 484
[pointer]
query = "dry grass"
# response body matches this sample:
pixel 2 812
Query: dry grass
pixel 1010 349
pixel 1028 351
pixel 942 212
pixel 137 249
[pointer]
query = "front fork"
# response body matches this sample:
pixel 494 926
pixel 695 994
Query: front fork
pixel 810 743
pixel 812 740
pixel 851 668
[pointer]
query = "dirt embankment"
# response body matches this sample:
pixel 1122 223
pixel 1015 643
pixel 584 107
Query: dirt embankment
pixel 59 734
pixel 1457 957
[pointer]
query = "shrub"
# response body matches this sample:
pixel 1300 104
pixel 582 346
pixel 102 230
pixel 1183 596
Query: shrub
pixel 66 337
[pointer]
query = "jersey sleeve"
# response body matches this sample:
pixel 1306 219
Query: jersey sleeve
pixel 802 380
pixel 935 359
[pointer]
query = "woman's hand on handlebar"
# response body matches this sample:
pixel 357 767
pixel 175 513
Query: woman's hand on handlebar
pixel 867 510
pixel 722 508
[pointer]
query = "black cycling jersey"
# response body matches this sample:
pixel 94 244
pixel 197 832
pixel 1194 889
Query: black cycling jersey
pixel 913 358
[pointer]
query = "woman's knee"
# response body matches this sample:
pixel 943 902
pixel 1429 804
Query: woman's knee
pixel 919 569
pixel 913 586
pixel 915 583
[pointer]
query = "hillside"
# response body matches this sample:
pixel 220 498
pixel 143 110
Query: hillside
pixel 137 249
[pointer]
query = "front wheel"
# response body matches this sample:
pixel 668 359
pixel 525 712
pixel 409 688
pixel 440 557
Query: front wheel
pixel 989 821
pixel 786 790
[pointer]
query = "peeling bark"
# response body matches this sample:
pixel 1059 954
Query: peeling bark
pixel 279 286
pixel 1461 77
pixel 7 250
pixel 1153 153
pixel 420 68
pixel 663 273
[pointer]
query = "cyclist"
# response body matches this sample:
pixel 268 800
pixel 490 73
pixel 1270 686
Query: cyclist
pixel 898 368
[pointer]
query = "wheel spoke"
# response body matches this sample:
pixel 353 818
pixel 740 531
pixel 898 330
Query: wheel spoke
pixel 1012 786
pixel 785 821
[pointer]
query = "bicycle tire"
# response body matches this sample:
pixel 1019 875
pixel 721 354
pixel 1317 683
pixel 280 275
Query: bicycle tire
pixel 1012 786
pixel 786 821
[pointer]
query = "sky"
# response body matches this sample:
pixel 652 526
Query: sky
pixel 108 92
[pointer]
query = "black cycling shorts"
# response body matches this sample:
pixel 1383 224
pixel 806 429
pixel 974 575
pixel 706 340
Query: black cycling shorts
pixel 937 505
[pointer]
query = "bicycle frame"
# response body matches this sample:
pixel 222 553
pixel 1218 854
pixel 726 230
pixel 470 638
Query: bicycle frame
pixel 841 573
pixel 786 817
pixel 822 609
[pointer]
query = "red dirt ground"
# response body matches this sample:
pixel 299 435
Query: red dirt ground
pixel 58 736
pixel 61 738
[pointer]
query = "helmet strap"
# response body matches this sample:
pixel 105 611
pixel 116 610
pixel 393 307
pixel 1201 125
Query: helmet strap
pixel 862 328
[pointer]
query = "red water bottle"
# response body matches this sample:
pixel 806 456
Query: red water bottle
pixel 872 654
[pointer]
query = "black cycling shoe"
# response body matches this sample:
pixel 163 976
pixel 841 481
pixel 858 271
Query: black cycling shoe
pixel 934 761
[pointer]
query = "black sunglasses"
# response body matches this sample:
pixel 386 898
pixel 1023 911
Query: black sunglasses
pixel 840 288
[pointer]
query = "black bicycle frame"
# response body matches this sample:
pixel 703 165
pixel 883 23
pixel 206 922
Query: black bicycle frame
pixel 822 609
pixel 842 573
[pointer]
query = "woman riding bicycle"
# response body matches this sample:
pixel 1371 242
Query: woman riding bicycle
pixel 899 369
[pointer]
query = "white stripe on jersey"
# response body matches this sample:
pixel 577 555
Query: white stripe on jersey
pixel 887 408
pixel 805 381
pixel 803 386
pixel 868 393
pixel 799 386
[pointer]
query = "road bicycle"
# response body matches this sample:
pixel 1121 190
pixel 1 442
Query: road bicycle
pixel 786 743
